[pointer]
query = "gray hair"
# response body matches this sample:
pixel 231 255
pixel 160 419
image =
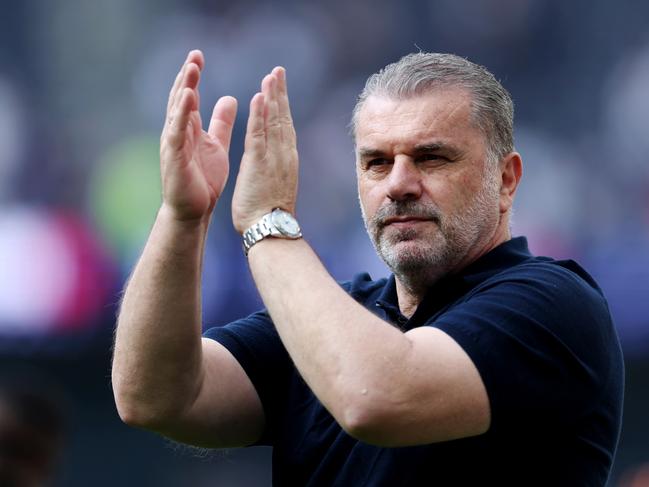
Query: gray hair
pixel 418 73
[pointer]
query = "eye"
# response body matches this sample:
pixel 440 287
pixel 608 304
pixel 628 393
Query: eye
pixel 431 157
pixel 377 163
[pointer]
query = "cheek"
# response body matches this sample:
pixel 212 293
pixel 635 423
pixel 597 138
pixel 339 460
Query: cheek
pixel 446 189
pixel 452 192
pixel 369 196
pixel 469 186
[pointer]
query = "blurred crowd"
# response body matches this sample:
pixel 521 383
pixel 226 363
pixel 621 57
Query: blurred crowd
pixel 83 88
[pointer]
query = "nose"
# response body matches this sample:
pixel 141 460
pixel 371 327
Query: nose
pixel 404 181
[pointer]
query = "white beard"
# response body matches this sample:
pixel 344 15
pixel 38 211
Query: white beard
pixel 419 262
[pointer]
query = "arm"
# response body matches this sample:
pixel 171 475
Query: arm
pixel 382 386
pixel 165 377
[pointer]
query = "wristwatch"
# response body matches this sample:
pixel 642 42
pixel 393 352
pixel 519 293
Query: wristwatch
pixel 278 223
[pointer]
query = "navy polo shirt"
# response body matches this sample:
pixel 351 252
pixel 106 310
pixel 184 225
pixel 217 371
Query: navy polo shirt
pixel 541 336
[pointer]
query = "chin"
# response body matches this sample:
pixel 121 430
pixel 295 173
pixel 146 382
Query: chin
pixel 412 256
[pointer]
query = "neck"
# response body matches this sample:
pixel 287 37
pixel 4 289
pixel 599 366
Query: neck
pixel 408 298
pixel 411 289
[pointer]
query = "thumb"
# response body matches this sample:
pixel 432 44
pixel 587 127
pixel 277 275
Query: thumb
pixel 222 121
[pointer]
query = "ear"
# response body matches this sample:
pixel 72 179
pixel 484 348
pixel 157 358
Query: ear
pixel 511 171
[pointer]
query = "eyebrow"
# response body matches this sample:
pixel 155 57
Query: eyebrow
pixel 366 152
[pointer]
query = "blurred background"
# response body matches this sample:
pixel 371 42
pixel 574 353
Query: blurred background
pixel 83 88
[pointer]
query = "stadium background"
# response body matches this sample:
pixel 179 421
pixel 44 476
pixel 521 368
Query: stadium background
pixel 83 88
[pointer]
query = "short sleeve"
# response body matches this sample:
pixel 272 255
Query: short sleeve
pixel 543 342
pixel 254 342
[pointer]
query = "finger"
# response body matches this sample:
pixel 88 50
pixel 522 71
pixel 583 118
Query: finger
pixel 176 133
pixel 266 87
pixel 175 87
pixel 285 118
pixel 190 79
pixel 273 131
pixel 195 57
pixel 222 121
pixel 255 142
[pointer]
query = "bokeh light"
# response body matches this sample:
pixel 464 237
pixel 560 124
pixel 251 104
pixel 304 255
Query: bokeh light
pixel 125 194
pixel 56 277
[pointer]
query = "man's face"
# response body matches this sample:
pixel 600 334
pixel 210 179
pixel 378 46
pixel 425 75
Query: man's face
pixel 429 195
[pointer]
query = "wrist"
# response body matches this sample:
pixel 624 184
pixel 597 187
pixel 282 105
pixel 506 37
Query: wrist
pixel 271 249
pixel 171 214
pixel 277 223
pixel 168 217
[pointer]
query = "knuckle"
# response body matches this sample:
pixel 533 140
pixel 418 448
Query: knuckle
pixel 258 133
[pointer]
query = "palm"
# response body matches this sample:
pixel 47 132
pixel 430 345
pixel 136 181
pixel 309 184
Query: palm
pixel 194 181
pixel 194 162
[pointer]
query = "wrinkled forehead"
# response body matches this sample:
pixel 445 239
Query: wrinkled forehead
pixel 441 113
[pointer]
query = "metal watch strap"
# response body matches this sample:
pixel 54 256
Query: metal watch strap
pixel 278 223
pixel 257 232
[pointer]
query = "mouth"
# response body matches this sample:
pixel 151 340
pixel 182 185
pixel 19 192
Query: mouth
pixel 404 221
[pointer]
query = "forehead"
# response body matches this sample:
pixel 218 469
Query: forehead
pixel 442 114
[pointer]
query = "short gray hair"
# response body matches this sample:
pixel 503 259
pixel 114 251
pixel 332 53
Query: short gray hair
pixel 418 73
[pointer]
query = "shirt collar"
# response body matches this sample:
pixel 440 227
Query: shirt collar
pixel 505 255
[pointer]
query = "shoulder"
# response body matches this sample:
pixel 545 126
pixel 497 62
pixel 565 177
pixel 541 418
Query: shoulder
pixel 545 297
pixel 561 290
pixel 537 326
pixel 547 271
pixel 539 311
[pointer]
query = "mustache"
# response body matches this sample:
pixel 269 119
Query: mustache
pixel 406 208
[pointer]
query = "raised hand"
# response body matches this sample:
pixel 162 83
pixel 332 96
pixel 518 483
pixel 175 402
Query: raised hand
pixel 194 163
pixel 268 174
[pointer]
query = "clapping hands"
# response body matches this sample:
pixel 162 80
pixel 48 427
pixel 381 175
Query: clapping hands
pixel 194 162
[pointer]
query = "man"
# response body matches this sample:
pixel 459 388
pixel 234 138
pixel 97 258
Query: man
pixel 474 362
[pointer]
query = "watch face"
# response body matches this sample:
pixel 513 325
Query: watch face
pixel 285 223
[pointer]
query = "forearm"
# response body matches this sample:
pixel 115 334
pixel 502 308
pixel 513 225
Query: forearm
pixel 157 356
pixel 347 355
